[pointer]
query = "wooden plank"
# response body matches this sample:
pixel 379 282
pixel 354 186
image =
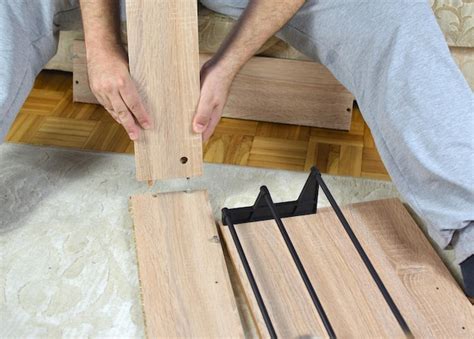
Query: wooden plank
pixel 186 291
pixel 406 262
pixel 164 62
pixel 267 89
pixel 289 91
pixel 421 285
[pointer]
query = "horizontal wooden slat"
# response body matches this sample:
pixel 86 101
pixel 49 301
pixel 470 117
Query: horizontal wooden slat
pixel 267 89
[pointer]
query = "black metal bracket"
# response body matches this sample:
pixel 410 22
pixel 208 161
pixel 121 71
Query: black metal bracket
pixel 307 203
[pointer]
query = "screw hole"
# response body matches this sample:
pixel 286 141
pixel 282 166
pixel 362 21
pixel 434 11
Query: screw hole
pixel 348 109
pixel 437 288
pixel 216 282
pixel 77 82
pixel 183 160
pixel 463 328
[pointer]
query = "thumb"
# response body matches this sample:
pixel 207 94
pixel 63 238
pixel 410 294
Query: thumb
pixel 203 116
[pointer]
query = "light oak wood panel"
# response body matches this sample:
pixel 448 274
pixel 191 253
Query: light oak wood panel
pixel 185 286
pixel 428 297
pixel 164 62
pixel 266 89
pixel 423 288
pixel 291 92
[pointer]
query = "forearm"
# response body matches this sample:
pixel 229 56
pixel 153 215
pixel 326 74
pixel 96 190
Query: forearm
pixel 260 21
pixel 101 21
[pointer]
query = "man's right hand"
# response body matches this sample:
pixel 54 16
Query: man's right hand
pixel 110 81
pixel 107 64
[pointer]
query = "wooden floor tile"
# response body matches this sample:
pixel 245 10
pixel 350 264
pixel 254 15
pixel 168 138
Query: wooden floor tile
pixel 228 149
pixel 49 117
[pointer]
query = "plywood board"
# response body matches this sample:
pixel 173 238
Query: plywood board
pixel 164 62
pixel 421 286
pixel 267 89
pixel 185 286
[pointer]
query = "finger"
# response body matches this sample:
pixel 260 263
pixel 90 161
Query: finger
pixel 134 103
pixel 216 116
pixel 107 106
pixel 125 117
pixel 203 114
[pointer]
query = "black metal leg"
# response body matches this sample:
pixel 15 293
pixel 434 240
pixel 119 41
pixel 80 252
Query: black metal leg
pixel 364 257
pixel 467 269
pixel 314 297
pixel 249 273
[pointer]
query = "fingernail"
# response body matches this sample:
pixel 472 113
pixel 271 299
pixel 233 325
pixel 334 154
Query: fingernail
pixel 146 125
pixel 132 136
pixel 200 127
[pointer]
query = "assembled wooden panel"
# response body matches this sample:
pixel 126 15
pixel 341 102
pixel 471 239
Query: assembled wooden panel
pixel 428 297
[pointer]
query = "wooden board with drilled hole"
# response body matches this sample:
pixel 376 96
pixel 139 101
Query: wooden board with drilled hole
pixel 428 297
pixel 164 62
pixel 186 291
pixel 266 89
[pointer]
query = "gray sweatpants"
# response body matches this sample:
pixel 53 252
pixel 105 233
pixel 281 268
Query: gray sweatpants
pixel 393 57
pixel 390 54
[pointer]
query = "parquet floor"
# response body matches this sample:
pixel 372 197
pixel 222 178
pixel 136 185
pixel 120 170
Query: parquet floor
pixel 49 117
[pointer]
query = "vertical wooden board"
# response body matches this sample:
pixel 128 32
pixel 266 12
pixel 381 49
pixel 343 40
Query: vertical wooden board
pixel 164 62
pixel 185 286
pixel 428 297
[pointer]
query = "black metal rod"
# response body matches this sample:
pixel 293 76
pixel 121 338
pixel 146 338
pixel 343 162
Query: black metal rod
pixel 250 276
pixel 298 263
pixel 364 257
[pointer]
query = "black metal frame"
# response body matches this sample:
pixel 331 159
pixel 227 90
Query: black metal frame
pixel 307 203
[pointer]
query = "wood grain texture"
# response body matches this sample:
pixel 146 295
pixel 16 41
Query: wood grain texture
pixel 421 286
pixel 164 62
pixel 185 286
pixel 289 91
pixel 266 89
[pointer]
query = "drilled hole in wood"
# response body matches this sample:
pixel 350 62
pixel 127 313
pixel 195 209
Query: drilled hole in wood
pixel 183 160
pixel 348 109
pixel 216 282
pixel 463 328
pixel 437 288
pixel 77 82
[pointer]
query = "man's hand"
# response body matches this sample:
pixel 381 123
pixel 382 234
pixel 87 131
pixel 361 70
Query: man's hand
pixel 113 87
pixel 259 21
pixel 215 86
pixel 107 63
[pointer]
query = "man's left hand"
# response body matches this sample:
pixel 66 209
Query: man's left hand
pixel 215 86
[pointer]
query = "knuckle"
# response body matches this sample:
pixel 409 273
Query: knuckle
pixel 120 82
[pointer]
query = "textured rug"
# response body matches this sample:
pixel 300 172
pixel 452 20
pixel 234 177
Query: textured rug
pixel 68 265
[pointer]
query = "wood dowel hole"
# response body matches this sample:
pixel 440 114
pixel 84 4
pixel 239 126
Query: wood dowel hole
pixel 183 160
